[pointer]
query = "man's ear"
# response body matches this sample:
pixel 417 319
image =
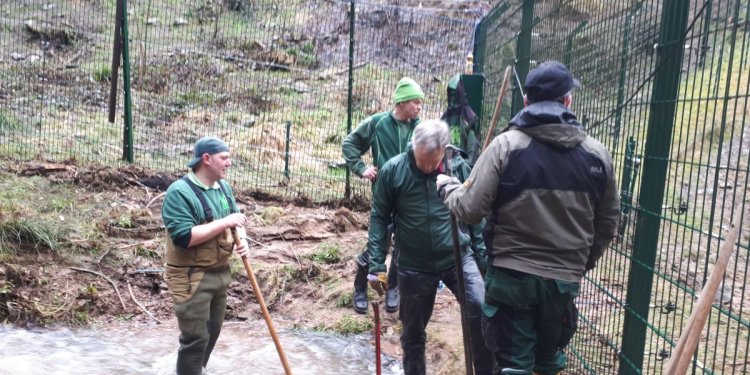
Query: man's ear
pixel 525 101
pixel 205 158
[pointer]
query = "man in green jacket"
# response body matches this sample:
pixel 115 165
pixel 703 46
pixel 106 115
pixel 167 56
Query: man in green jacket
pixel 199 213
pixel 386 134
pixel 406 194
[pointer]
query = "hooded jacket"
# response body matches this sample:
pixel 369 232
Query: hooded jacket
pixel 422 221
pixel 383 133
pixel 461 119
pixel 550 192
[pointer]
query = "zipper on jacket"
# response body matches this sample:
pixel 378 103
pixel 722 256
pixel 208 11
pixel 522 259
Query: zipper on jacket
pixel 429 222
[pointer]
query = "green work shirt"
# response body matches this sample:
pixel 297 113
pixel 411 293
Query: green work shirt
pixel 182 210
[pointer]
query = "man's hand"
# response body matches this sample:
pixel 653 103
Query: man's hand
pixel 442 181
pixel 379 282
pixel 234 220
pixel 370 173
pixel 243 250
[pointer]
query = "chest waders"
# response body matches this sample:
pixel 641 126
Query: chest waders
pixel 198 278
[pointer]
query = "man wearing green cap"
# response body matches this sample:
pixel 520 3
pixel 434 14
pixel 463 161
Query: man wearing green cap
pixel 386 134
pixel 199 213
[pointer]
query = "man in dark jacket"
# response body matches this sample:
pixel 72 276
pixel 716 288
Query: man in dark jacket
pixel 552 198
pixel 461 120
pixel 386 134
pixel 405 193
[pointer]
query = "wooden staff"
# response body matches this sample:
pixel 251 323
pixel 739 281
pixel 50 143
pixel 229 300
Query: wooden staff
pixel 262 303
pixel 691 333
pixel 496 114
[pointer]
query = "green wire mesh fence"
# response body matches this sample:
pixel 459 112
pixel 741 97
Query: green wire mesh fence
pixel 665 88
pixel 272 78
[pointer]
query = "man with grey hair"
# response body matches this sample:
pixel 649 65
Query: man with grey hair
pixel 405 193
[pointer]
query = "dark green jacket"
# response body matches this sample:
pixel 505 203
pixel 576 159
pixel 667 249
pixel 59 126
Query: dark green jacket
pixel 381 133
pixel 422 221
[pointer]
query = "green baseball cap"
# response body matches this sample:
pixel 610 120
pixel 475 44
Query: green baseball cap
pixel 206 145
pixel 406 90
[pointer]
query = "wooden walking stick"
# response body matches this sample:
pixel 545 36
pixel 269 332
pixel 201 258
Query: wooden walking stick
pixel 691 333
pixel 263 308
pixel 496 113
pixel 469 363
pixel 376 317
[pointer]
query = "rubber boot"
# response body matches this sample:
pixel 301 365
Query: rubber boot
pixel 359 298
pixel 392 296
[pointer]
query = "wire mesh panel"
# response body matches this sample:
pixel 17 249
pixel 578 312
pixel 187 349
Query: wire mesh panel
pixel 665 88
pixel 269 77
pixel 55 61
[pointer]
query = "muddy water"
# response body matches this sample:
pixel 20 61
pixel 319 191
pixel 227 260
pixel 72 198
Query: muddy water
pixel 243 348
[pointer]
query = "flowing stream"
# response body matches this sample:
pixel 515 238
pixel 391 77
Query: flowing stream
pixel 243 348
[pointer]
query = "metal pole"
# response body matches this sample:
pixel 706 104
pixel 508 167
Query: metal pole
pixel 352 17
pixel 623 70
pixel 127 144
pixel 655 166
pixel 523 52
pixel 286 148
pixel 116 57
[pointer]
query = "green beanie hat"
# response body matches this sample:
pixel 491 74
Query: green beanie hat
pixel 407 90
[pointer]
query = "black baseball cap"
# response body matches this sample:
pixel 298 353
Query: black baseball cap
pixel 548 81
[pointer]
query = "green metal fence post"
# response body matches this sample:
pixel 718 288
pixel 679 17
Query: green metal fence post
pixel 626 185
pixel 704 38
pixel 523 52
pixel 127 144
pixel 623 72
pixel 655 166
pixel 286 153
pixel 569 42
pixel 352 17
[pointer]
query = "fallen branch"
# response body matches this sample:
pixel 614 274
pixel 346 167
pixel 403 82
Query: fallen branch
pixel 154 200
pixel 130 290
pixel 103 276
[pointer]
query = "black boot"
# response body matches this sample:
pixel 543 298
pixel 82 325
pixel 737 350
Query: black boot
pixel 392 296
pixel 359 298
pixel 391 300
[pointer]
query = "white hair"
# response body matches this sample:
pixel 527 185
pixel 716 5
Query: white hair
pixel 431 135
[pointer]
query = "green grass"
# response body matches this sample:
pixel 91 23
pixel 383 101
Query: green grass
pixel 326 253
pixel 347 325
pixel 102 73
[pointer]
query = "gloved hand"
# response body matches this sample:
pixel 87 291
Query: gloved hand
pixel 442 181
pixel 379 282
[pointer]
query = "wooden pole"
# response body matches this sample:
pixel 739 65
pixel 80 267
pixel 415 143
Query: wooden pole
pixel 691 332
pixel 263 308
pixel 496 113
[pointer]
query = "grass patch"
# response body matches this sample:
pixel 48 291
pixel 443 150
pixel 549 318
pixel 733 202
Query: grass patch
pixel 15 234
pixel 326 253
pixel 270 215
pixel 9 123
pixel 102 73
pixel 347 325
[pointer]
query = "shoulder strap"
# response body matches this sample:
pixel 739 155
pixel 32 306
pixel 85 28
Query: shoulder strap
pixel 202 198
